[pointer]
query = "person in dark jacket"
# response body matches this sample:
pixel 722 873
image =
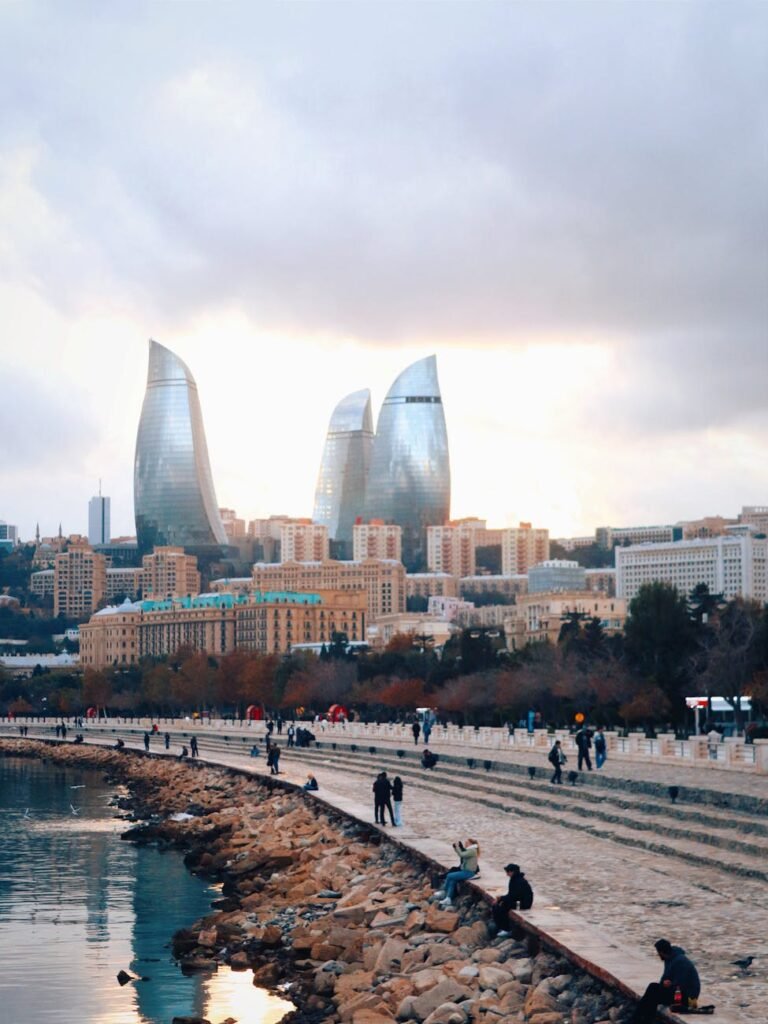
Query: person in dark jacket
pixel 584 745
pixel 382 799
pixel 428 759
pixel 397 799
pixel 519 893
pixel 679 973
pixel 416 729
pixel 557 759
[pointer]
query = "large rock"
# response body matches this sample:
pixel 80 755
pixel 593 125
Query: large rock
pixel 441 920
pixel 447 991
pixel 538 1002
pixel 448 1013
pixel 390 956
pixel 355 981
pixel 493 977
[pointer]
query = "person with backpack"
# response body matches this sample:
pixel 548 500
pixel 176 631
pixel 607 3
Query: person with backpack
pixel 557 759
pixel 583 745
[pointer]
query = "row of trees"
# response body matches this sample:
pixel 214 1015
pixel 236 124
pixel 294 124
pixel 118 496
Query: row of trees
pixel 672 647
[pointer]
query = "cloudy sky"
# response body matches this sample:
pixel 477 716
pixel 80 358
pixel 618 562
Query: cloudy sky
pixel 566 202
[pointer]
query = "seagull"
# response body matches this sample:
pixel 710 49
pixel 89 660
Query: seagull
pixel 75 810
pixel 78 787
pixel 26 814
pixel 743 964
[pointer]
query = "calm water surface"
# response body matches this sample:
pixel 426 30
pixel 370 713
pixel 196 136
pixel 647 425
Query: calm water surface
pixel 77 905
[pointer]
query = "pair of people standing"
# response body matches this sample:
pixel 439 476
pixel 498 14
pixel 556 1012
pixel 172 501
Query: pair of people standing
pixel 273 759
pixel 384 793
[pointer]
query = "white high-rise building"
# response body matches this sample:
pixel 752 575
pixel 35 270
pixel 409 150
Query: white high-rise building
pixel 98 520
pixel 731 566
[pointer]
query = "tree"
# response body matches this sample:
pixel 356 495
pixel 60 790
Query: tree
pixel 659 639
pixel 703 605
pixel 97 689
pixel 735 658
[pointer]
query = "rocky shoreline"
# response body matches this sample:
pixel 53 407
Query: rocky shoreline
pixel 330 912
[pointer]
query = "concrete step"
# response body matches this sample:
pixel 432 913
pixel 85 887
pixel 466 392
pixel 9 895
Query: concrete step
pixel 654 835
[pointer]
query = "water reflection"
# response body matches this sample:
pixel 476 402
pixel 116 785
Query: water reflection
pixel 77 905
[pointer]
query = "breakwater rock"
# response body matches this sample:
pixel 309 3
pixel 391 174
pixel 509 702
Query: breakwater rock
pixel 331 912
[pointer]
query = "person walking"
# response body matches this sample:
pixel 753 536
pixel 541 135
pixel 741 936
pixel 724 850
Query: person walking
pixel 519 893
pixel 601 748
pixel 291 734
pixel 583 745
pixel 382 794
pixel 679 975
pixel 397 799
pixel 167 741
pixel 146 741
pixel 557 759
pixel 279 725
pixel 193 746
pixel 416 730
pixel 427 730
pixel 469 866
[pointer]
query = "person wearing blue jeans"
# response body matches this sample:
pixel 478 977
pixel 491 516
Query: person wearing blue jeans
pixel 600 747
pixel 469 853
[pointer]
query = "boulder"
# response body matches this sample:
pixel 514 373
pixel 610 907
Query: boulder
pixel 448 1013
pixel 446 991
pixel 538 1002
pixel 493 977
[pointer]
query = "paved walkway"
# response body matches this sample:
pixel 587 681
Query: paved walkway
pixel 606 906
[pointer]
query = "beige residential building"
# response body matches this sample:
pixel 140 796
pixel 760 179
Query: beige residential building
pixel 601 580
pixel 125 582
pixel 708 526
pixel 431 584
pixel 233 527
pixel 451 548
pixel 538 617
pixel 111 637
pixel 385 628
pixel 41 583
pixel 219 624
pixel 377 539
pixel 382 580
pixel 169 572
pixel 508 586
pixel 80 581
pixel 303 541
pixel 522 547
pixel 755 515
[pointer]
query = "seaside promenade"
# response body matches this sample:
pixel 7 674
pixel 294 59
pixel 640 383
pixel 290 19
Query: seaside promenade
pixel 614 863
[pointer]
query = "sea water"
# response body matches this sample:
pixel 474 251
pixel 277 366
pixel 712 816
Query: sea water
pixel 78 905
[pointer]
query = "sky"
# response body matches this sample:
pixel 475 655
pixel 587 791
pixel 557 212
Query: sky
pixel 566 202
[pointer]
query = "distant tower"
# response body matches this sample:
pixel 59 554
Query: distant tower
pixel 409 482
pixel 98 519
pixel 173 494
pixel 340 492
pixel 37 533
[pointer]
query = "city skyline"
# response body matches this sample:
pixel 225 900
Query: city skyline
pixel 565 202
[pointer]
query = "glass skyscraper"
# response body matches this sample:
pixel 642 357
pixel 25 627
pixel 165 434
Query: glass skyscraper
pixel 409 482
pixel 341 482
pixel 174 499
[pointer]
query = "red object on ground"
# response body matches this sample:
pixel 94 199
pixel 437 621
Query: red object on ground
pixel 337 713
pixel 254 713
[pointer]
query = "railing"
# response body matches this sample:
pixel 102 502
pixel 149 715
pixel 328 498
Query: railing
pixel 733 754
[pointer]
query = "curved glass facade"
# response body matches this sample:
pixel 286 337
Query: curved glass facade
pixel 409 482
pixel 174 499
pixel 341 482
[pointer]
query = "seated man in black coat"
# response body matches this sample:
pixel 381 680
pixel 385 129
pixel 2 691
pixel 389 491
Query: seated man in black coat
pixel 679 973
pixel 519 893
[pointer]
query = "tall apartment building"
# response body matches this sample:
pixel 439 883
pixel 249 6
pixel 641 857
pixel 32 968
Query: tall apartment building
pixel 169 572
pixel 301 540
pixel 522 547
pixel 377 539
pixel 233 527
pixel 99 528
pixel 265 534
pixel 80 581
pixel 9 535
pixel 270 623
pixel 41 583
pixel 732 566
pixel 382 580
pixel 451 548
